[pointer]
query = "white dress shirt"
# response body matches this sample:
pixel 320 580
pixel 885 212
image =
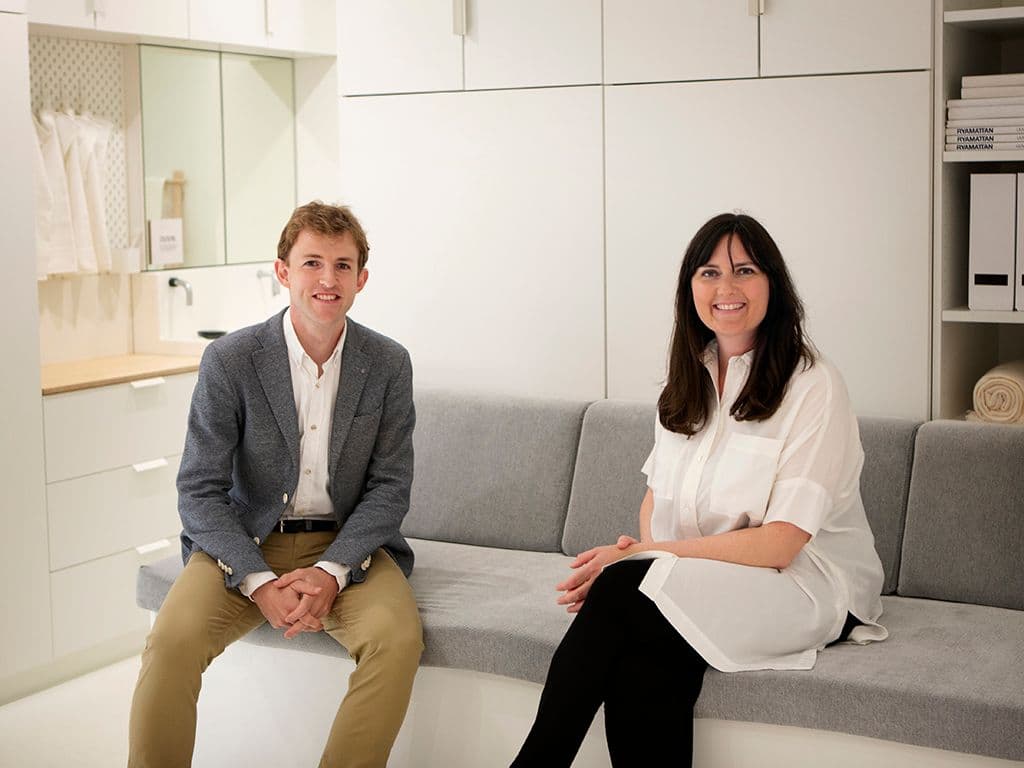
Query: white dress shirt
pixel 315 396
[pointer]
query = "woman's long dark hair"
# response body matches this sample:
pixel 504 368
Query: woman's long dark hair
pixel 686 400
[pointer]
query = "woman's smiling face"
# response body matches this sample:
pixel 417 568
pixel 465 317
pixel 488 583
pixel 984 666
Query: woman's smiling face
pixel 730 294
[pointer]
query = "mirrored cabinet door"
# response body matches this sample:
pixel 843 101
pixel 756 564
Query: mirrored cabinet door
pixel 181 149
pixel 259 153
pixel 218 147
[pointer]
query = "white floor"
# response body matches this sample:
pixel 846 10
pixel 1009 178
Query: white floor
pixel 81 723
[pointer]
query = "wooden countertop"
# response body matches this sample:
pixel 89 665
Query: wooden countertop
pixel 101 371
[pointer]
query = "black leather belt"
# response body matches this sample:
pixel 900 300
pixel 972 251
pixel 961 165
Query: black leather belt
pixel 305 525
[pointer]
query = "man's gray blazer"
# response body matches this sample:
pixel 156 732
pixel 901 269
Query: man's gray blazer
pixel 240 466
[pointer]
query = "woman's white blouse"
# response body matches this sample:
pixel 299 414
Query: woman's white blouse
pixel 801 466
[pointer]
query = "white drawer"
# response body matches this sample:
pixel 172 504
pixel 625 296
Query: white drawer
pixel 94 603
pixel 109 427
pixel 98 515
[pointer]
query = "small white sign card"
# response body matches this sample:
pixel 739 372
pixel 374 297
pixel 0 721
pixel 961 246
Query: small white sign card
pixel 166 245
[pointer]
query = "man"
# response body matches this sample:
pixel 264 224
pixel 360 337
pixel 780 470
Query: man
pixel 293 483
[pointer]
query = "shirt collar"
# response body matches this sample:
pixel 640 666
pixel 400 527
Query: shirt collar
pixel 710 358
pixel 296 352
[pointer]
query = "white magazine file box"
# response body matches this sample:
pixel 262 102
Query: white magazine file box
pixel 1018 279
pixel 993 240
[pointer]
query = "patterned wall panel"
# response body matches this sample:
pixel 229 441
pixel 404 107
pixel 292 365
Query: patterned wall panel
pixel 87 76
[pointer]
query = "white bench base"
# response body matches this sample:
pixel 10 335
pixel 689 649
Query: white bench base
pixel 264 706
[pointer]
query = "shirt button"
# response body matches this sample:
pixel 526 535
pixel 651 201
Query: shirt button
pixel 312 426
pixel 309 471
pixel 284 498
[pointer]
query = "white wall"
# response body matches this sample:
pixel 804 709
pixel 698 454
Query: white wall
pixel 24 569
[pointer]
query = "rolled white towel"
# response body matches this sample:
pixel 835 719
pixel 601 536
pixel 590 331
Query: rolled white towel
pixel 999 395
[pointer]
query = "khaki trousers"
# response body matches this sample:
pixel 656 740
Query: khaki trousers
pixel 376 621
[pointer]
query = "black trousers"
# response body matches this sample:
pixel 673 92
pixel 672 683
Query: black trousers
pixel 619 651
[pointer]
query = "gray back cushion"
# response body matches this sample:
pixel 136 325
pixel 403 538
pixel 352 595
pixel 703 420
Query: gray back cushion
pixel 964 537
pixel 617 436
pixel 608 485
pixel 492 470
pixel 884 485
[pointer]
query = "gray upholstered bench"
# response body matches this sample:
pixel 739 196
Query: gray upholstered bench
pixel 507 489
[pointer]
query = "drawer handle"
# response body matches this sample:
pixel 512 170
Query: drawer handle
pixel 156 381
pixel 154 546
pixel 148 465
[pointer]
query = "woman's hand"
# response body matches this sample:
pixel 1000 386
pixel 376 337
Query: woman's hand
pixel 586 568
pixel 625 542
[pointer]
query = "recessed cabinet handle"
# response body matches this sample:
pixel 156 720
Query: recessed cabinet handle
pixel 459 17
pixel 154 546
pixel 156 381
pixel 148 465
pixel 266 18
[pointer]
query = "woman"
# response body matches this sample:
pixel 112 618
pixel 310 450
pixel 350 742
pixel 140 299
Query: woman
pixel 754 550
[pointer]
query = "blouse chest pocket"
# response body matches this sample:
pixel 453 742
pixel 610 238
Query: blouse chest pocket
pixel 672 451
pixel 743 480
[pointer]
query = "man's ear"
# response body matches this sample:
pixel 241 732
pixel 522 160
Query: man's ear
pixel 364 275
pixel 281 270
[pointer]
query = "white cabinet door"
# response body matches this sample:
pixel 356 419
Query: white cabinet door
pixel 836 168
pixel 398 46
pixel 63 13
pixel 532 43
pixel 23 566
pixel 657 40
pixel 234 22
pixel 302 26
pixel 822 36
pixel 160 18
pixel 484 214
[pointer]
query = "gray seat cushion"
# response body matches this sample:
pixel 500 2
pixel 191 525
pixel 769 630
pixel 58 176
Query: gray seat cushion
pixel 485 609
pixel 951 676
pixel 964 537
pixel 491 470
pixel 617 436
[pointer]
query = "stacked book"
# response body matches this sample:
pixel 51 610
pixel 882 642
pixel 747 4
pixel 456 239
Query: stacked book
pixel 989 116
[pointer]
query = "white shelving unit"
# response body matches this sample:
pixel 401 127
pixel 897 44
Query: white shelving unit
pixel 965 315
pixel 982 156
pixel 972 37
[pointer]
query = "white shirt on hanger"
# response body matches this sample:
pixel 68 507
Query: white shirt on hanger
pixel 95 136
pixel 55 245
pixel 71 145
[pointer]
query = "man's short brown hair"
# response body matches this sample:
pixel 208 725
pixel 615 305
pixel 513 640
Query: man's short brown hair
pixel 329 220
